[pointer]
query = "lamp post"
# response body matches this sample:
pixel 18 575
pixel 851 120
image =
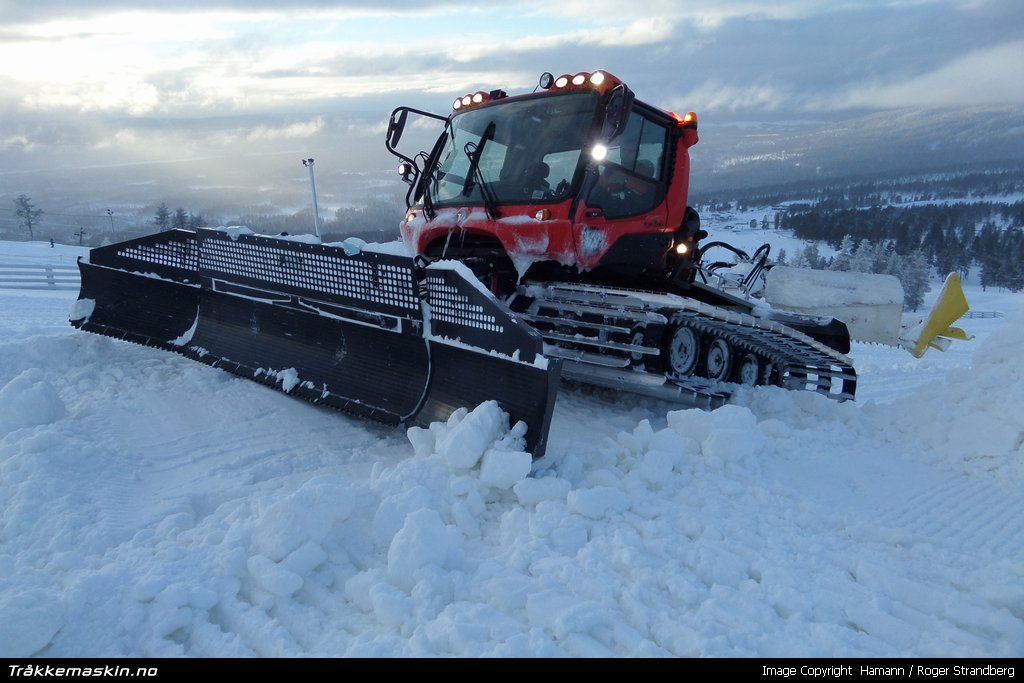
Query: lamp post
pixel 308 163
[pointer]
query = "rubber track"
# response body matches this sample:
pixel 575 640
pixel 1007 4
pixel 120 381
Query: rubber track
pixel 803 362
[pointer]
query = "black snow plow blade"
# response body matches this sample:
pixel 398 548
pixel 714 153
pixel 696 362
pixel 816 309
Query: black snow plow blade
pixel 369 333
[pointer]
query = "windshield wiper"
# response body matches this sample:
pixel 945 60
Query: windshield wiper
pixel 474 150
pixel 429 174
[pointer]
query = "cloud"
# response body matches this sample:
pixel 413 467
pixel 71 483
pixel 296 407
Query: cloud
pixel 21 12
pixel 196 59
pixel 984 76
pixel 715 95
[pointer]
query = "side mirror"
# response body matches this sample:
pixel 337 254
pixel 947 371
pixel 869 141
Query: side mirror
pixel 616 112
pixel 396 126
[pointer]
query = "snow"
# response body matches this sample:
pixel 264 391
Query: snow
pixel 158 507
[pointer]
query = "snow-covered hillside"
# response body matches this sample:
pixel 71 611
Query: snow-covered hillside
pixel 154 506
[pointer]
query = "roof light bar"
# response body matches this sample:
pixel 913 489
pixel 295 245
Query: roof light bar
pixel 598 80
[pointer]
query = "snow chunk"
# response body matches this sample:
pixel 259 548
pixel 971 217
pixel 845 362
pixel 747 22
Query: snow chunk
pixel 308 514
pixel 727 433
pixel 272 577
pixel 353 245
pixel 465 443
pixel 598 502
pixel 393 248
pixel 533 491
pixel 502 469
pixel 289 379
pixel 82 309
pixel 29 400
pixel 693 423
pixel 234 231
pixel 423 542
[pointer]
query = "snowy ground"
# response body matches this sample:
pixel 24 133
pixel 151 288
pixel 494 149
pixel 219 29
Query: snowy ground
pixel 154 506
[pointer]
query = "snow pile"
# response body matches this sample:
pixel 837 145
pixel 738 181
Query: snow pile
pixel 481 436
pixel 973 419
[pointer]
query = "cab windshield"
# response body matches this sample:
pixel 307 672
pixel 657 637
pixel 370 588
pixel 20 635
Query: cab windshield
pixel 516 151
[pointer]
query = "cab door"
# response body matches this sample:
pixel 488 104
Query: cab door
pixel 621 222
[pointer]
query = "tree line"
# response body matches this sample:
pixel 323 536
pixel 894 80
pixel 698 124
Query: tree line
pixel 179 220
pixel 948 236
pixel 951 185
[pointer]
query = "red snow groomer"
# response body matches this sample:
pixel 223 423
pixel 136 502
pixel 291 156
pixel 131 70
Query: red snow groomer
pixel 547 235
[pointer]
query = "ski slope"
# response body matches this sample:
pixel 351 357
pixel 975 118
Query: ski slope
pixel 157 507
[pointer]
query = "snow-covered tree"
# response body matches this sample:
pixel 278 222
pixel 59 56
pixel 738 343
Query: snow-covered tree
pixel 27 214
pixel 162 220
pixel 843 259
pixel 914 278
pixel 863 259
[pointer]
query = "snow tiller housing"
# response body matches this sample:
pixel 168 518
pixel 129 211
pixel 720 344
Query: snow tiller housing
pixel 374 334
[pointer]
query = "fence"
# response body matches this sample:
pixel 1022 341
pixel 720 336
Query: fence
pixel 983 314
pixel 39 276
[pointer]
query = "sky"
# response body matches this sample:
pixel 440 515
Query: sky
pixel 158 507
pixel 110 82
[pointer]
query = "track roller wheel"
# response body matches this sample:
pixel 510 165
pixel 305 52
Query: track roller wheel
pixel 718 359
pixel 638 337
pixel 751 371
pixel 682 351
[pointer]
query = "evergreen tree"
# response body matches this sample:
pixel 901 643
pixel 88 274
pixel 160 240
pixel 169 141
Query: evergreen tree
pixel 914 278
pixel 162 220
pixel 843 259
pixel 180 219
pixel 863 260
pixel 1013 272
pixel 883 252
pixel 893 264
pixel 810 257
pixel 986 253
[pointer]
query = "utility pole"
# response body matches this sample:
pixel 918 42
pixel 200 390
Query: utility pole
pixel 111 214
pixel 308 163
pixel 80 234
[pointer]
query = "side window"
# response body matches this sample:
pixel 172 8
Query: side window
pixel 563 167
pixel 629 181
